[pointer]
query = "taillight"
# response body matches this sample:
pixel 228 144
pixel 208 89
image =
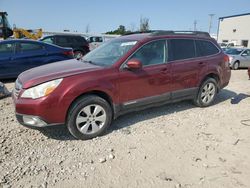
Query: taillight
pixel 69 53
pixel 226 60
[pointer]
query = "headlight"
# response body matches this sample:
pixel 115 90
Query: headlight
pixel 230 59
pixel 41 90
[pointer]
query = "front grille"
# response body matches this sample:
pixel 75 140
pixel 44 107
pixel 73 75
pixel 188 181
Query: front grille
pixel 17 89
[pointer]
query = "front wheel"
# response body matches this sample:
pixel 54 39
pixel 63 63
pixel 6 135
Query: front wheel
pixel 207 93
pixel 89 117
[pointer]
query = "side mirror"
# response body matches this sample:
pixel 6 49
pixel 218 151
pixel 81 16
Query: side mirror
pixel 244 54
pixel 134 64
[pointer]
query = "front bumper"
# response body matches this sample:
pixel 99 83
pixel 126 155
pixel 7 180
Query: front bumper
pixel 32 121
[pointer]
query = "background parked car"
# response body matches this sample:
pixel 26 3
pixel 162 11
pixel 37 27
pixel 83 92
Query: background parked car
pixel 78 43
pixel 95 41
pixel 17 56
pixel 238 57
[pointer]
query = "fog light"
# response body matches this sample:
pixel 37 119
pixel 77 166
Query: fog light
pixel 33 121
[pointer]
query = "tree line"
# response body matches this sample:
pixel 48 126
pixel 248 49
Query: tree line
pixel 121 30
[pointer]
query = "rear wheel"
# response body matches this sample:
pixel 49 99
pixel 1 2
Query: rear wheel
pixel 207 93
pixel 236 65
pixel 89 117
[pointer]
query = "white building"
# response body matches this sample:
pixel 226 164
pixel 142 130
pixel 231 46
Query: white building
pixel 235 29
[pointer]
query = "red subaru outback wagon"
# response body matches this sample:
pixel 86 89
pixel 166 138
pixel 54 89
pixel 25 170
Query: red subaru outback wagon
pixel 126 74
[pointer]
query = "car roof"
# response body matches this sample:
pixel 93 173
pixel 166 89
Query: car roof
pixel 20 40
pixel 165 34
pixel 30 41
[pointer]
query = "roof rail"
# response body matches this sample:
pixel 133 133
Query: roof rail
pixel 170 32
pixel 196 33
pixel 138 32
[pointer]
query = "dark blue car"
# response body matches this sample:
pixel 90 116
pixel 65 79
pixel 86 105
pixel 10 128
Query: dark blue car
pixel 17 56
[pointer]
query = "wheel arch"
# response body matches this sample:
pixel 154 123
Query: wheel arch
pixel 211 75
pixel 236 61
pixel 98 93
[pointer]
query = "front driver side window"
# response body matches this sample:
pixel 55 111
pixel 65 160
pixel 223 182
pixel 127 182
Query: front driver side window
pixel 152 53
pixel 247 52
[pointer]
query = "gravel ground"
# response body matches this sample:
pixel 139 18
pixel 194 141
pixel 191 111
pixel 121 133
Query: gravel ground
pixel 176 145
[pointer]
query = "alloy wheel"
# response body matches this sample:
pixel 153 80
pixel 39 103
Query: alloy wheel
pixel 91 119
pixel 208 93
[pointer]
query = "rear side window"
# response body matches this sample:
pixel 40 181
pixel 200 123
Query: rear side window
pixel 205 48
pixel 6 48
pixel 30 47
pixel 81 39
pixel 62 40
pixel 181 49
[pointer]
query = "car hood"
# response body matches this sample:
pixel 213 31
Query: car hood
pixel 230 55
pixel 54 71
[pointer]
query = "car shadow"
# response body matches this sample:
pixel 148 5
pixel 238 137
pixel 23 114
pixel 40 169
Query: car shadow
pixel 61 133
pixel 132 118
pixel 238 98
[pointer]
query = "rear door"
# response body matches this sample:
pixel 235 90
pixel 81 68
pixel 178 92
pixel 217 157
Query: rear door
pixel 185 67
pixel 7 68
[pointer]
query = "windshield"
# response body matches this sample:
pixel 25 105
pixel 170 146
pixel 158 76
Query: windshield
pixel 109 53
pixel 233 51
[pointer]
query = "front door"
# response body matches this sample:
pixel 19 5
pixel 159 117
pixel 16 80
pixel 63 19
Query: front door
pixel 245 59
pixel 151 83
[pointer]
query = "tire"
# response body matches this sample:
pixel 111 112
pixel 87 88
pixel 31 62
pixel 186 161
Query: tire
pixel 207 93
pixel 236 65
pixel 78 54
pixel 89 117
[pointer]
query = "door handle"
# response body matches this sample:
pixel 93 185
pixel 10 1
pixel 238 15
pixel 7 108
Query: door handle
pixel 164 71
pixel 201 63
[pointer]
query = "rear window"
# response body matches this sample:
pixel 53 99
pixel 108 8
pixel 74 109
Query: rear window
pixel 49 40
pixel 205 48
pixel 79 40
pixel 181 49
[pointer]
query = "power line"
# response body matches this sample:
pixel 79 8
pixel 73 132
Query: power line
pixel 210 22
pixel 195 25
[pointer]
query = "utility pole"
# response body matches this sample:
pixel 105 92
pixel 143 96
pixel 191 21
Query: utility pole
pixel 210 22
pixel 195 25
